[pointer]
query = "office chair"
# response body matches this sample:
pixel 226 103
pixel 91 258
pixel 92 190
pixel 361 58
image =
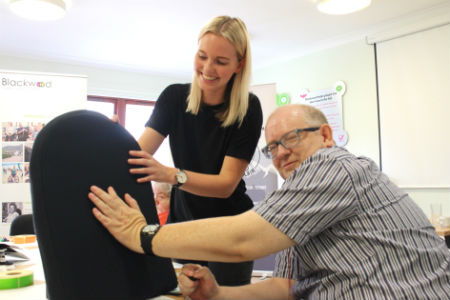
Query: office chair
pixel 22 224
pixel 81 259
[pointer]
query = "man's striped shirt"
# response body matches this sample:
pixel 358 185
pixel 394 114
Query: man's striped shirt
pixel 358 235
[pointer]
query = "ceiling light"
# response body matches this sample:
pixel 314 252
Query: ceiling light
pixel 341 7
pixel 41 10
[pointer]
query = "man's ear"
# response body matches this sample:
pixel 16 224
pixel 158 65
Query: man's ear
pixel 327 134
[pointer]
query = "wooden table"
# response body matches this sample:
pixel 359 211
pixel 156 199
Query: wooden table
pixel 445 233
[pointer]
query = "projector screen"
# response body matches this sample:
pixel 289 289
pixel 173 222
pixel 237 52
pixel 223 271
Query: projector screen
pixel 414 97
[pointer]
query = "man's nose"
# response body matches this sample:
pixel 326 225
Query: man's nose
pixel 282 151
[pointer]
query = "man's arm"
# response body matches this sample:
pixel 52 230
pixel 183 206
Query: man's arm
pixel 227 239
pixel 237 238
pixel 206 287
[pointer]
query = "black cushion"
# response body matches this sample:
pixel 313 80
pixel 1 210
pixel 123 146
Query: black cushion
pixel 81 259
pixel 22 224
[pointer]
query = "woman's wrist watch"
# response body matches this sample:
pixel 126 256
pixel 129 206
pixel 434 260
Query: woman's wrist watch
pixel 181 178
pixel 148 232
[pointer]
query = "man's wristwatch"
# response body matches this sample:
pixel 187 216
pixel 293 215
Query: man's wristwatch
pixel 181 178
pixel 148 232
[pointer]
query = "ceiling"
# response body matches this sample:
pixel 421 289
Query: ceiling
pixel 160 36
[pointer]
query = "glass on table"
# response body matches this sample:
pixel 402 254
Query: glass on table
pixel 436 213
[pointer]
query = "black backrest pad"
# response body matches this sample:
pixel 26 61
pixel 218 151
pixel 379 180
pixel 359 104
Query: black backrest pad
pixel 81 259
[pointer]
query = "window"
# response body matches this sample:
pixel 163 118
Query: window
pixel 133 114
pixel 106 108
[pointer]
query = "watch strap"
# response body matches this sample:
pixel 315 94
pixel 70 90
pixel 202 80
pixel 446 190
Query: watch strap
pixel 147 238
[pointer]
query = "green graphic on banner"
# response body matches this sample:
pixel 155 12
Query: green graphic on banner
pixel 283 99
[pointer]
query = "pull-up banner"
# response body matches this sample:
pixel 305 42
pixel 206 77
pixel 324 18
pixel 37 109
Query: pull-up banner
pixel 27 102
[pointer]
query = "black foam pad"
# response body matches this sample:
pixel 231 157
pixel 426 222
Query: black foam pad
pixel 81 259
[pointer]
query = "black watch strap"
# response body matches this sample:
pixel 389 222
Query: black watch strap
pixel 148 232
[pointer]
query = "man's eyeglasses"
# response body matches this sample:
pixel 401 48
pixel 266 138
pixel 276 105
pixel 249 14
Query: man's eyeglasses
pixel 289 140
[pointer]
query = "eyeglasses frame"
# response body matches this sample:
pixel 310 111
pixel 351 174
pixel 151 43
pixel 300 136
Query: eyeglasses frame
pixel 297 131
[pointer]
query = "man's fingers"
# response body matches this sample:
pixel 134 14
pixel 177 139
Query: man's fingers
pixel 131 201
pixel 101 194
pixel 189 268
pixel 104 200
pixel 98 202
pixel 201 273
pixel 111 191
pixel 99 216
pixel 187 286
pixel 193 271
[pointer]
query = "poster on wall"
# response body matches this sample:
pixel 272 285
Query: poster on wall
pixel 261 179
pixel 329 101
pixel 28 101
pixel 260 176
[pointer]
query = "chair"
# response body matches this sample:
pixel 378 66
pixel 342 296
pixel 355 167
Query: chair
pixel 22 224
pixel 81 259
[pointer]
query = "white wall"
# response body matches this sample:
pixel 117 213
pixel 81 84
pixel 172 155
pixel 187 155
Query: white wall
pixel 101 82
pixel 353 63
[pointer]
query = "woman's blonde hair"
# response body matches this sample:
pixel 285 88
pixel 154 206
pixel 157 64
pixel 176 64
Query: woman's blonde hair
pixel 236 99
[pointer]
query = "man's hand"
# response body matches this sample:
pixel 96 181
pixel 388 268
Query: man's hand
pixel 123 221
pixel 197 282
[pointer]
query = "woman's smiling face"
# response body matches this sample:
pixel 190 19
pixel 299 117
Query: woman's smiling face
pixel 215 63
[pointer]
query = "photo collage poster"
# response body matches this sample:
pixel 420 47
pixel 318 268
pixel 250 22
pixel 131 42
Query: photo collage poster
pixel 28 101
pixel 16 145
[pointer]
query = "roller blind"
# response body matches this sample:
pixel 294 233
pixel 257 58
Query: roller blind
pixel 414 96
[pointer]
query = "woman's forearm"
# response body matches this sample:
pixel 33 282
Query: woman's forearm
pixel 220 185
pixel 207 185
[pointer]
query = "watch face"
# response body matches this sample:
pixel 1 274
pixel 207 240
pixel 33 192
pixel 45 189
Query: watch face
pixel 181 177
pixel 149 228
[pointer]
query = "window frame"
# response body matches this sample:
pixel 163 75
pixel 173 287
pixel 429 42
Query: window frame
pixel 120 104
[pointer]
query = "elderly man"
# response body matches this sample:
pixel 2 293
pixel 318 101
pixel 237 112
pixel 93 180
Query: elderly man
pixel 346 231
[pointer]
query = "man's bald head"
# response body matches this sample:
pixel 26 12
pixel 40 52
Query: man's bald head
pixel 303 128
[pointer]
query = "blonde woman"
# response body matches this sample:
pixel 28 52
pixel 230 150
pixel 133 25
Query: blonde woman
pixel 213 125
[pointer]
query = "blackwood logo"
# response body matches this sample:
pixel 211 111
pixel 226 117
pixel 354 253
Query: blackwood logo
pixel 25 83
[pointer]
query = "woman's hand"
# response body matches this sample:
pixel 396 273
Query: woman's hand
pixel 123 221
pixel 197 282
pixel 115 119
pixel 150 168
